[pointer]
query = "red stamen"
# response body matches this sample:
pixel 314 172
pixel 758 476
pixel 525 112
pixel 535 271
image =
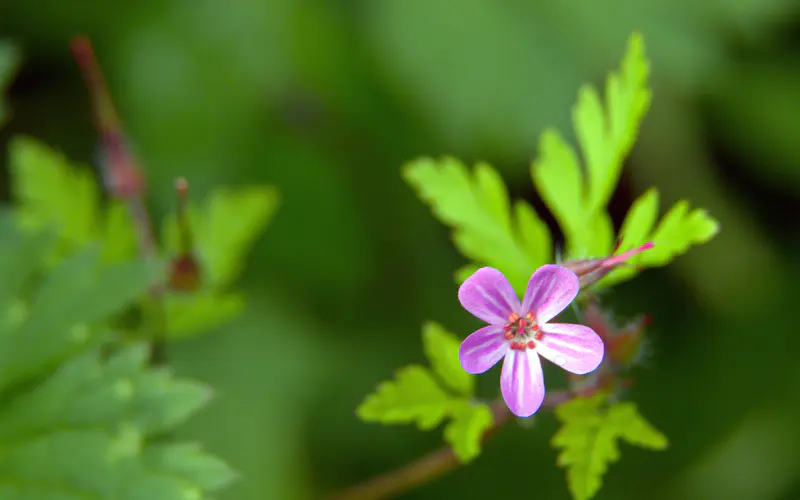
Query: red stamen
pixel 531 344
pixel 538 335
pixel 513 317
pixel 522 323
pixel 509 335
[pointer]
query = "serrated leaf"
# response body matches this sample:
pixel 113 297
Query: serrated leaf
pixel 91 392
pixel 9 61
pixel 441 349
pixel 64 308
pixel 413 396
pixel 476 205
pixel 588 439
pixel 21 254
pixel 578 197
pixel 678 230
pixel 465 430
pixel 78 420
pixel 189 315
pixel 50 191
pixel 225 227
pixel 633 428
pixel 190 462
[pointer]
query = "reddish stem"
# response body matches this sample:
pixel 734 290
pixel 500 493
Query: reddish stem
pixel 436 464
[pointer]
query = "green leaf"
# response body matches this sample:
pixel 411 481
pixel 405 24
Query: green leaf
pixel 465 431
pixel 476 205
pixel 64 308
pixel 80 419
pixel 9 62
pixel 413 396
pixel 678 230
pixel 588 439
pixel 605 133
pixel 119 238
pixel 188 315
pixel 188 461
pixel 640 220
pixel 441 349
pixel 225 228
pixel 51 191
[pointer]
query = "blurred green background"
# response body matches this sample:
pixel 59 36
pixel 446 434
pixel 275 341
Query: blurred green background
pixel 327 100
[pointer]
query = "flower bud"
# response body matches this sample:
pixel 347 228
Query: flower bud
pixel 185 273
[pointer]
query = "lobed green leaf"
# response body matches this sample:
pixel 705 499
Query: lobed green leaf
pixel 413 396
pixel 476 206
pixel 606 132
pixel 678 230
pixel 464 432
pixel 441 349
pixel 79 419
pixel 589 435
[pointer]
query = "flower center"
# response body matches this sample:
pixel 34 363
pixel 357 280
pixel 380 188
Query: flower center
pixel 522 332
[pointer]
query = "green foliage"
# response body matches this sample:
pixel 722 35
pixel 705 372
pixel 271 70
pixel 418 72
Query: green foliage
pixel 50 191
pixel 9 61
pixel 578 197
pixel 75 421
pixel 589 435
pixel 464 431
pixel 415 396
pixel 678 230
pixel 225 228
pixel 441 348
pixel 476 205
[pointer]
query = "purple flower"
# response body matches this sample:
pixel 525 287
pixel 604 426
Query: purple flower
pixel 520 333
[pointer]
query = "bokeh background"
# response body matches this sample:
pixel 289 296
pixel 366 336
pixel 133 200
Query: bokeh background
pixel 327 100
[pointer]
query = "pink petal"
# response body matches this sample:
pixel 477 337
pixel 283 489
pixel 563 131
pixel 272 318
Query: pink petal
pixel 488 296
pixel 575 348
pixel 550 290
pixel 483 349
pixel 522 382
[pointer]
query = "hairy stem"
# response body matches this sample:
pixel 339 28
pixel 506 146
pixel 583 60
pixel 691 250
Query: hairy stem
pixel 429 467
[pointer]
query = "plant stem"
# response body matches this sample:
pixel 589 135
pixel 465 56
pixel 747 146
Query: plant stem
pixel 429 467
pixel 123 177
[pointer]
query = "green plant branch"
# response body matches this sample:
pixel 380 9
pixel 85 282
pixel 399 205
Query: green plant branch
pixel 438 463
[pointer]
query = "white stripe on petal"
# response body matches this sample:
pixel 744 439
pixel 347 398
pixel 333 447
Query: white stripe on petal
pixel 576 348
pixel 522 382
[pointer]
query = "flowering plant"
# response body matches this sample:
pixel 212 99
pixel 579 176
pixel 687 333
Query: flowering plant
pixel 511 254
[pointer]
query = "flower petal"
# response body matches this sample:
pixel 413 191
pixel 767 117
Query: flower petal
pixel 550 290
pixel 488 296
pixel 483 349
pixel 522 382
pixel 575 348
